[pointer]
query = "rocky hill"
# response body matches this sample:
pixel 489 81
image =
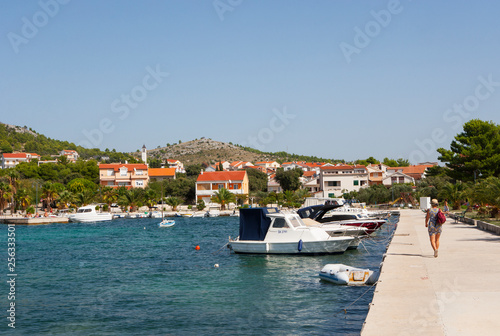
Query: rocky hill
pixel 208 151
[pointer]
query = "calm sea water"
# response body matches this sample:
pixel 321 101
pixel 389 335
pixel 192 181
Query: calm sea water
pixel 129 277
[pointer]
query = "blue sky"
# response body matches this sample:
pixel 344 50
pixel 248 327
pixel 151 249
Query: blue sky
pixel 334 79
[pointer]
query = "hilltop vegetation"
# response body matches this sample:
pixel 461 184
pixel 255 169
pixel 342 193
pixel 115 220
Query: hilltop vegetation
pixel 207 151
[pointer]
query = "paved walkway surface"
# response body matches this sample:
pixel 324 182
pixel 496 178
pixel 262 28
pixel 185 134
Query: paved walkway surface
pixel 457 293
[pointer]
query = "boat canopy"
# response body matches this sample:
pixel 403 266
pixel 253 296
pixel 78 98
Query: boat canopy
pixel 254 223
pixel 316 212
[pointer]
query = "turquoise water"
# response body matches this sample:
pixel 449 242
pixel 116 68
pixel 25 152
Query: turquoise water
pixel 129 277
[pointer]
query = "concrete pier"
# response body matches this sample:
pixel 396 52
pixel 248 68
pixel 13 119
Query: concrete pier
pixel 457 293
pixel 33 221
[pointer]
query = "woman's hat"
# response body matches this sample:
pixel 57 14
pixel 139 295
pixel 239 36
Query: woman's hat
pixel 434 201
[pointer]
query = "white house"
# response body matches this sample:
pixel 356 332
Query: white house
pixel 337 179
pixel 10 160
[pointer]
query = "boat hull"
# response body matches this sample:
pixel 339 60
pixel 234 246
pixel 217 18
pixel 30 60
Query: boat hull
pixel 330 246
pixel 91 219
pixel 340 274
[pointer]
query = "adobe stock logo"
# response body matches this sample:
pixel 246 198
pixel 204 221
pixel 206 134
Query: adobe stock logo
pixel 30 28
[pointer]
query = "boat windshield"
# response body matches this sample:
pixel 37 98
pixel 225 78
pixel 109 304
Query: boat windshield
pixel 84 210
pixel 296 221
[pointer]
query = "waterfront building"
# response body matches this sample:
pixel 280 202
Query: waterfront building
pixel 117 175
pixel 334 180
pixel 10 160
pixel 397 178
pixel 161 174
pixel 210 182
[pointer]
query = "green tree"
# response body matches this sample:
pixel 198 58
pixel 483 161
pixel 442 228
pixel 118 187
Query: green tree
pixel 474 152
pixel 174 202
pixel 223 197
pixel 455 193
pixel 131 198
pixel 65 197
pixel 5 194
pixel 79 185
pixel 257 180
pixel 23 198
pixel 50 192
pixel 290 179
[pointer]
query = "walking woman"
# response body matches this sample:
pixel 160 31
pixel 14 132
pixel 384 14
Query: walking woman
pixel 433 227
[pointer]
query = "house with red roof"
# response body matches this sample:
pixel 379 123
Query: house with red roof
pixel 417 172
pixel 268 166
pixel 210 182
pixel 117 175
pixel 238 165
pixel 179 166
pixel 161 174
pixel 71 155
pixel 334 180
pixel 10 160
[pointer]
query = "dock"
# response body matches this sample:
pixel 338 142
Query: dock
pixel 456 293
pixel 33 220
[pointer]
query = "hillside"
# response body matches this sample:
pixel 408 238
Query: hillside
pixel 199 151
pixel 208 151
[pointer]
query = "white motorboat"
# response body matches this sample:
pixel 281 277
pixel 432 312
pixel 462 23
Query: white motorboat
pixel 268 231
pixel 327 214
pixel 213 212
pixel 89 214
pixel 200 214
pixel 166 223
pixel 340 274
pixel 337 230
pixel 155 214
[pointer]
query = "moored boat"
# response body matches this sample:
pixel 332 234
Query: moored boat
pixel 166 223
pixel 340 274
pixel 268 231
pixel 89 214
pixel 327 214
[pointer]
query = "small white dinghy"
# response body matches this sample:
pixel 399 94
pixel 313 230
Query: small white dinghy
pixel 340 274
pixel 166 223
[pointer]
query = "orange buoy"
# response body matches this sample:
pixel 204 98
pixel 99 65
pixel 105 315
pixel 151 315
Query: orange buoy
pixel 197 247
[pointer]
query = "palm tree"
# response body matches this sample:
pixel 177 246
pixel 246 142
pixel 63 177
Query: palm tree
pixel 488 192
pixel 12 175
pixel 109 195
pixel 301 194
pixel 223 196
pixel 289 196
pixel 131 198
pixel 85 197
pixel 455 193
pixel 5 194
pixel 150 198
pixel 65 197
pixel 174 202
pixel 23 198
pixel 50 193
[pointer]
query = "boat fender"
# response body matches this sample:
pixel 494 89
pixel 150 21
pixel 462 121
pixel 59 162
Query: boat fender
pixel 300 245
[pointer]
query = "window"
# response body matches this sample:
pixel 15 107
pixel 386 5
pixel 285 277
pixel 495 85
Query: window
pixel 123 171
pixel 139 172
pixel 280 223
pixel 356 182
pixel 139 183
pixel 333 183
pixel 111 172
pixel 235 186
pixel 220 186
